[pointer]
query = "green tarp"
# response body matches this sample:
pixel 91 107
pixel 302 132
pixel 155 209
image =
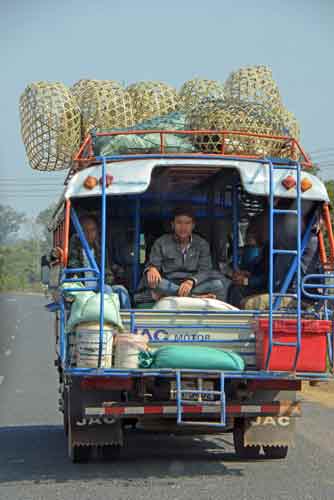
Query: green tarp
pixel 148 143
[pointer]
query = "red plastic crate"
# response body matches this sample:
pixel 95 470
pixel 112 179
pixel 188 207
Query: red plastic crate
pixel 313 353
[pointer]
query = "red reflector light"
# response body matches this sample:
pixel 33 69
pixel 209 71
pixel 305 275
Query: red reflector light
pixel 109 180
pixel 275 385
pixel 289 182
pixel 106 384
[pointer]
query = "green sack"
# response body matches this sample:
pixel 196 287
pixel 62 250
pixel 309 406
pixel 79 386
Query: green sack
pixel 196 357
pixel 148 143
pixel 86 307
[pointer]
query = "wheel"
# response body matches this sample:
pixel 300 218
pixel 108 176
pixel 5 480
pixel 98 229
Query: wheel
pixel 275 452
pixel 76 453
pixel 65 413
pixel 243 451
pixel 80 454
pixel 110 452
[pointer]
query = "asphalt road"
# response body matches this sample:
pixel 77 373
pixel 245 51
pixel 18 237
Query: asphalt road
pixel 34 463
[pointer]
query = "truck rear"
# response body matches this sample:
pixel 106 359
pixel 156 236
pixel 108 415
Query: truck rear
pixel 284 336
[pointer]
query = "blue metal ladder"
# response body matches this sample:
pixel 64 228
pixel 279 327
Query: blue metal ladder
pixel 181 403
pixel 275 297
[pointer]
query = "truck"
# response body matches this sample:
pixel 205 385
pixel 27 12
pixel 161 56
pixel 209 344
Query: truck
pixel 283 343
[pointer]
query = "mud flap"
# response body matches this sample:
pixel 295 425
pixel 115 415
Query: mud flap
pixel 270 431
pixel 89 430
pixel 96 432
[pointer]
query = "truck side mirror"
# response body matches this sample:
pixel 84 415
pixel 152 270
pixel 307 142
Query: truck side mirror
pixel 45 270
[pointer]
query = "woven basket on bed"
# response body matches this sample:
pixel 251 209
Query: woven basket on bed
pixel 235 116
pixel 50 125
pixel 104 104
pixel 193 91
pixel 254 84
pixel 151 99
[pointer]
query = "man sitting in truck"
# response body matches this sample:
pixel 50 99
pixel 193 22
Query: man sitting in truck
pixel 78 259
pixel 180 264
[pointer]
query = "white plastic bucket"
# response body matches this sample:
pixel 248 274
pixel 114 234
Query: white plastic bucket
pixel 127 349
pixel 87 341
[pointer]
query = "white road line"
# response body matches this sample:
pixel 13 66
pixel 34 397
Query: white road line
pixel 8 352
pixel 2 378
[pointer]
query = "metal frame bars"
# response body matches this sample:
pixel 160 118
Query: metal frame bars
pixel 136 263
pixel 276 251
pixel 103 259
pixel 235 225
pixel 181 402
pixel 85 156
pixel 84 242
pixel 293 267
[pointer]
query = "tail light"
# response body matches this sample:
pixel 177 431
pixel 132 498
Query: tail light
pixel 106 384
pixel 289 182
pixel 274 385
pixel 305 184
pixel 90 182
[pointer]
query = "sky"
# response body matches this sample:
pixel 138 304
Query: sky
pixel 172 41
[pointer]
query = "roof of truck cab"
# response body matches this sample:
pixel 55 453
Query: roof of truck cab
pixel 134 177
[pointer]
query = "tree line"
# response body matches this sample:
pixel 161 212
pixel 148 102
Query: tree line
pixel 22 243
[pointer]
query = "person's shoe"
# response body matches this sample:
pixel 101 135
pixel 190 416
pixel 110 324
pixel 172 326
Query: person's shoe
pixel 204 296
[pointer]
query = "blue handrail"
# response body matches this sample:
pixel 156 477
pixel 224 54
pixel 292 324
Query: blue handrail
pixel 296 265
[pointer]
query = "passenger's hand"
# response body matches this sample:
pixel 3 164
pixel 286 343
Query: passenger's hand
pixel 185 288
pixel 153 277
pixel 238 277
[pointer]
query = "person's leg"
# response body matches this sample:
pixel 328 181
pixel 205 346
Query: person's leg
pixel 166 288
pixel 236 294
pixel 123 295
pixel 214 286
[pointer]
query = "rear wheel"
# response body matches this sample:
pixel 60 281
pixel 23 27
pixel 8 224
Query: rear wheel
pixel 275 452
pixel 65 413
pixel 243 451
pixel 77 453
pixel 80 454
pixel 110 452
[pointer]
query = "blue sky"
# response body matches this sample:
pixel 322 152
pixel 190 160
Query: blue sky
pixel 171 41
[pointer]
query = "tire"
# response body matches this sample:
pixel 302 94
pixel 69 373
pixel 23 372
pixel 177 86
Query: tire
pixel 110 452
pixel 275 452
pixel 77 454
pixel 65 413
pixel 243 451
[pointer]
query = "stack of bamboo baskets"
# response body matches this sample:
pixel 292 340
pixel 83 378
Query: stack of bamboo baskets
pixel 54 118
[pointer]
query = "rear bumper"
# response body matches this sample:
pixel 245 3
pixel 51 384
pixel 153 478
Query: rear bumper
pixel 168 410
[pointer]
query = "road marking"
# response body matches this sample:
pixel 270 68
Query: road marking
pixel 2 378
pixel 8 352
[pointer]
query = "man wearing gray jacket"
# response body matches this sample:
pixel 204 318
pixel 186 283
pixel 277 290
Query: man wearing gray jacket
pixel 180 263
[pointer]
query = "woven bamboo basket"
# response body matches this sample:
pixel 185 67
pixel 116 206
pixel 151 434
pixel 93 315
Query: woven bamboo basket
pixel 291 124
pixel 151 99
pixel 254 84
pixel 211 114
pixel 193 91
pixel 50 125
pixel 290 128
pixel 82 85
pixel 104 104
